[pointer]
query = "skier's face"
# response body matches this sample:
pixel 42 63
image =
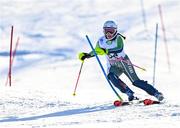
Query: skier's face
pixel 109 32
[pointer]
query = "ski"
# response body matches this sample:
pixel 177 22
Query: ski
pixel 150 102
pixel 118 103
pixel 145 102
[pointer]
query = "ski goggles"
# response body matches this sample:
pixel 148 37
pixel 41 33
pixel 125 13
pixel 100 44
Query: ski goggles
pixel 110 30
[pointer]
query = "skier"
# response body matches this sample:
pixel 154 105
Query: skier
pixel 111 45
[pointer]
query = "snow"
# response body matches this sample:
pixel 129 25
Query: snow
pixel 46 67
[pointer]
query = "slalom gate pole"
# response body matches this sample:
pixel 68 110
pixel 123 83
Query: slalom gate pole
pixel 10 56
pixel 15 49
pixel 164 37
pixel 143 15
pixel 103 69
pixel 13 56
pixel 74 93
pixel 155 54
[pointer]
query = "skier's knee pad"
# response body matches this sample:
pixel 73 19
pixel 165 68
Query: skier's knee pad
pixel 109 75
pixel 113 78
pixel 116 82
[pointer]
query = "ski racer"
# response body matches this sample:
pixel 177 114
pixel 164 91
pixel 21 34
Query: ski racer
pixel 111 44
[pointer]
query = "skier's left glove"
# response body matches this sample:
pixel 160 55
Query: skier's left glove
pixel 83 56
pixel 101 51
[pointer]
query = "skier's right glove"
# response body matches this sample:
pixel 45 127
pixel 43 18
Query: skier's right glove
pixel 83 56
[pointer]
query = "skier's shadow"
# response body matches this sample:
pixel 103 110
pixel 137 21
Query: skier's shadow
pixel 62 113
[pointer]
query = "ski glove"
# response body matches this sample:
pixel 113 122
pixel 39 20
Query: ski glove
pixel 101 51
pixel 83 56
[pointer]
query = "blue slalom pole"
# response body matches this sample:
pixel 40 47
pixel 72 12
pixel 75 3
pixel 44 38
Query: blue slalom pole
pixel 155 54
pixel 103 68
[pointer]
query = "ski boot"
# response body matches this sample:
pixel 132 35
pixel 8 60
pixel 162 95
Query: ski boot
pixel 159 96
pixel 131 97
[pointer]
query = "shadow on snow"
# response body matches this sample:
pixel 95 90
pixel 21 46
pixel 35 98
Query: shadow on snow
pixel 62 113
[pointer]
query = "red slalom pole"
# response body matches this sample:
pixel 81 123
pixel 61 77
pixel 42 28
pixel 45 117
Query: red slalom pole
pixel 74 93
pixel 13 56
pixel 15 49
pixel 164 37
pixel 10 56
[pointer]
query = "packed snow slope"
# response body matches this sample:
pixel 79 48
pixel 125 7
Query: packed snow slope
pixel 46 67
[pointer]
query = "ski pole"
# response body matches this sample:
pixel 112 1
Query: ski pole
pixel 74 93
pixel 121 59
pixel 103 69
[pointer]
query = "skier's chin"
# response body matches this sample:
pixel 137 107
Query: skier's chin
pixel 109 37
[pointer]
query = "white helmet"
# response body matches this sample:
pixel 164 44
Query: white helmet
pixel 110 29
pixel 110 24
